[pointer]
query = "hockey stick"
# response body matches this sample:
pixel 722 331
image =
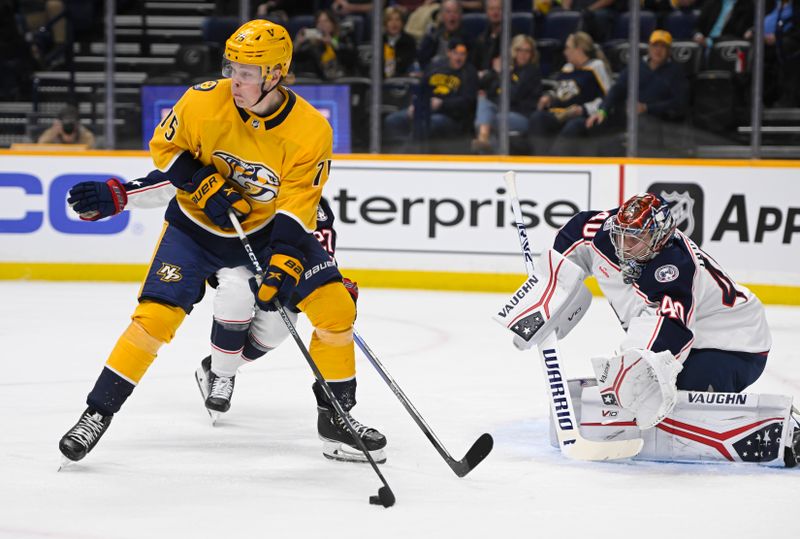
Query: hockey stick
pixel 479 450
pixel 572 444
pixel 385 495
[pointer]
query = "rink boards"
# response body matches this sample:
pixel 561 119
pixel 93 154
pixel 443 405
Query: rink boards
pixel 439 222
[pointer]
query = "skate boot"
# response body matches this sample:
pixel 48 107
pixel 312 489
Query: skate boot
pixel 216 390
pixel 338 444
pixel 81 438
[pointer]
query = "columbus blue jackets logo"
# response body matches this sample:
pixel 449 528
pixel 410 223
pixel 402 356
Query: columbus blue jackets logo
pixel 321 215
pixel 667 273
pixel 258 180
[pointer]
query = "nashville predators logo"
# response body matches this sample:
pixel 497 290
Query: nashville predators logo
pixel 169 273
pixel 567 89
pixel 444 84
pixel 205 86
pixel 258 181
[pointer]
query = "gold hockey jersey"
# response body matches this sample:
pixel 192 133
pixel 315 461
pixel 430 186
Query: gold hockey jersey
pixel 278 163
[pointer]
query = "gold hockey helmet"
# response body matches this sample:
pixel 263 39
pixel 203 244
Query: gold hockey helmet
pixel 262 43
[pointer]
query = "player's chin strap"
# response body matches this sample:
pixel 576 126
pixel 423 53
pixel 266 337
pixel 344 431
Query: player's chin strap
pixel 572 444
pixel 265 93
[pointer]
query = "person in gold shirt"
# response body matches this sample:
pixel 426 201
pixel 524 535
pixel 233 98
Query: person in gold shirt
pixel 249 145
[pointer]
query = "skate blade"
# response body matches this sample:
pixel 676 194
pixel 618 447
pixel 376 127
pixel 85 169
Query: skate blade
pixel 202 385
pixel 65 463
pixel 344 453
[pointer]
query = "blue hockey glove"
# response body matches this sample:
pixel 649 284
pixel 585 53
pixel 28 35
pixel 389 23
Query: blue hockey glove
pixel 215 196
pixel 282 275
pixel 95 200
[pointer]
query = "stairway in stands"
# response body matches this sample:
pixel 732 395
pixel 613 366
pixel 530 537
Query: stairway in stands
pixel 148 33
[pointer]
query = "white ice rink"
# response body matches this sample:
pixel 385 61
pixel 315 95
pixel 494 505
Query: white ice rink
pixel 162 471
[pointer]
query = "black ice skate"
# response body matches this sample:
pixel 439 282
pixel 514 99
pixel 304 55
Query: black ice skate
pixel 216 390
pixel 338 444
pixel 81 438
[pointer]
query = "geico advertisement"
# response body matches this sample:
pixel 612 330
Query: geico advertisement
pixel 747 218
pixel 455 216
pixel 446 216
pixel 37 225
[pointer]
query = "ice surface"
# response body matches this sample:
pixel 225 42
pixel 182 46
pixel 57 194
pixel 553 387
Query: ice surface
pixel 162 471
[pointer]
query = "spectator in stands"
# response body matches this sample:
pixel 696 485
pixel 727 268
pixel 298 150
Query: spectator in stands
pixel 453 86
pixel 67 129
pixel 580 86
pixel 781 53
pixel 487 46
pixel 399 48
pixel 525 90
pixel 720 20
pixel 46 27
pixel 433 48
pixel 598 15
pixel 663 97
pixel 323 50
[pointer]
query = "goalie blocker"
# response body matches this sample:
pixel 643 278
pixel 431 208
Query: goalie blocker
pixel 553 299
pixel 702 427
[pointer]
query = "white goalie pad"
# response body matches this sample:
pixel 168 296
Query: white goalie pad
pixel 553 299
pixel 703 427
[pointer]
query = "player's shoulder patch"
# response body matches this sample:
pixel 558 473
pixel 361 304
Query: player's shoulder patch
pixel 205 86
pixel 666 273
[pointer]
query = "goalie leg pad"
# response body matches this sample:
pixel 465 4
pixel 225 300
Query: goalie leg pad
pixel 703 427
pixel 553 299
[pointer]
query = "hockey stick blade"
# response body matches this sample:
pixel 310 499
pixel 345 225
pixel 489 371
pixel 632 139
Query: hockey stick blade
pixel 479 451
pixel 591 450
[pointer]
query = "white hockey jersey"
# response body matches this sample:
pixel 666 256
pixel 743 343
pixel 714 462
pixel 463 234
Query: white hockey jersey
pixel 683 300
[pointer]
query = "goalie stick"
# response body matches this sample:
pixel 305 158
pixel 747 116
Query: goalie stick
pixel 479 450
pixel 385 496
pixel 572 444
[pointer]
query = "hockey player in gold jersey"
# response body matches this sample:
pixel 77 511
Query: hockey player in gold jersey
pixel 248 144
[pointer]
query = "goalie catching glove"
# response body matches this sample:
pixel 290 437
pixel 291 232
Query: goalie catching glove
pixel 641 381
pixel 96 200
pixel 282 275
pixel 215 196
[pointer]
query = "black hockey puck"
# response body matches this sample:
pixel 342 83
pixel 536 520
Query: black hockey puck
pixel 385 497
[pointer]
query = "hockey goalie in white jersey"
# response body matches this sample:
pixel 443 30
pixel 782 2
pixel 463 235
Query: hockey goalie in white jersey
pixel 694 340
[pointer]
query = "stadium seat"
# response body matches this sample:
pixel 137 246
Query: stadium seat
pixel 297 22
pixel 199 60
pixel 714 99
pixel 680 23
pixel 647 23
pixel 356 25
pixel 618 53
pixel 551 55
pixel 397 92
pixel 689 54
pixel 560 24
pixel 521 23
pixel 725 56
pixel 474 24
pixel 219 29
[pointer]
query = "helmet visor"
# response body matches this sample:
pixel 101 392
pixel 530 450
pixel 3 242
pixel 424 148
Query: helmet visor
pixel 242 73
